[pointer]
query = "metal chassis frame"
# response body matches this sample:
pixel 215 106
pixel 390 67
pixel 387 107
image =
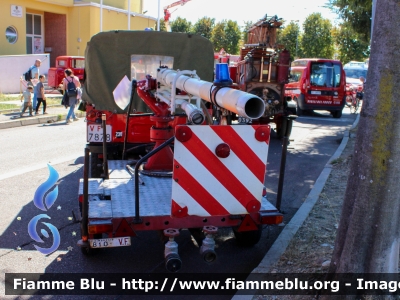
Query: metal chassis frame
pixel 158 222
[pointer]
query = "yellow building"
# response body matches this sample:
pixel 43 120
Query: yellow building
pixel 63 27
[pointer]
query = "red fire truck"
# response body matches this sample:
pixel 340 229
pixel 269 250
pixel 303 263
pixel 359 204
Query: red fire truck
pixel 156 158
pixel 262 70
pixel 316 84
pixel 56 74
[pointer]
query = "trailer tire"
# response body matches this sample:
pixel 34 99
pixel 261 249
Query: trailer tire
pixel 279 133
pixel 248 238
pixel 282 128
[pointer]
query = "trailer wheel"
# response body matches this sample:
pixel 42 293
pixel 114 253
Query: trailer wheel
pixel 279 132
pixel 248 238
pixel 281 127
pixel 95 166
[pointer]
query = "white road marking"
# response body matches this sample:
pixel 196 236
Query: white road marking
pixel 37 166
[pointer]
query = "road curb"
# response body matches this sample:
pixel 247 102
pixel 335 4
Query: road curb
pixel 286 235
pixel 30 121
pixel 24 121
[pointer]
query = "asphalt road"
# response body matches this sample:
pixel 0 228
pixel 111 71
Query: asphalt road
pixel 26 151
pixel 313 141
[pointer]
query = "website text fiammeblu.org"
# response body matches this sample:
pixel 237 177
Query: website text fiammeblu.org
pixel 200 284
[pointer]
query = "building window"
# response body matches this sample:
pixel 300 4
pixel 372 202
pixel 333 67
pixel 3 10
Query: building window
pixel 11 34
pixel 34 34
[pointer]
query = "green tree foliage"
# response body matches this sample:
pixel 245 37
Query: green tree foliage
pixel 181 25
pixel 204 27
pixel 289 37
pixel 226 34
pixel 317 40
pixel 356 13
pixel 218 36
pixel 162 25
pixel 350 45
pixel 233 35
pixel 247 26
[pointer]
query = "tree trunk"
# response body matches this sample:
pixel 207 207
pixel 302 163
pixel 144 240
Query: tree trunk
pixel 368 236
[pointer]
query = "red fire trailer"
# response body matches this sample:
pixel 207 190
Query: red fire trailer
pixel 156 159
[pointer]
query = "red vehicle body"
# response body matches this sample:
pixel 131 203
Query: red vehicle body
pixel 56 74
pixel 262 70
pixel 316 84
pixel 164 163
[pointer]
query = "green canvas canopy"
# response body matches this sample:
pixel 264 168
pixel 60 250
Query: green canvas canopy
pixel 108 60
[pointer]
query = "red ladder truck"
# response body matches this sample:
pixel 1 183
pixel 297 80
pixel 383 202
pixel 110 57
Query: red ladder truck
pixel 263 70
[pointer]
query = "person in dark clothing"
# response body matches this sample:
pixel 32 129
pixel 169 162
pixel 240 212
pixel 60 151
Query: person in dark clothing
pixel 35 78
pixel 41 97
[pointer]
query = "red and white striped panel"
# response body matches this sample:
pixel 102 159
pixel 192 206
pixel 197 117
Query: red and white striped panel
pixel 207 185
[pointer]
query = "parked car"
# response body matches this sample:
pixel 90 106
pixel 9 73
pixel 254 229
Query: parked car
pixel 354 70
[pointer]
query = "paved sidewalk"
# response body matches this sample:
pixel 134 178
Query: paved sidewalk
pixel 55 113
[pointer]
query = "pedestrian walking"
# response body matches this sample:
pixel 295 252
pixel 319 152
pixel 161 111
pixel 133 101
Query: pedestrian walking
pixel 27 97
pixel 70 84
pixel 41 97
pixel 35 72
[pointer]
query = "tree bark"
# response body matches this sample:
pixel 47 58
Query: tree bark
pixel 368 236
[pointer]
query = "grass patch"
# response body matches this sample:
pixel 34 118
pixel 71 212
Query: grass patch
pixel 4 106
pixel 53 101
pixel 8 98
pixel 4 98
pixel 15 97
pixel 337 161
